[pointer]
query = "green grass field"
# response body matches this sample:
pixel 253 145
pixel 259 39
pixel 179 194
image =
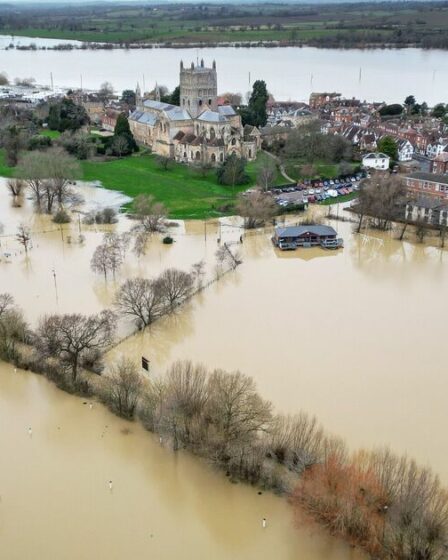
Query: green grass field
pixel 181 188
pixel 185 193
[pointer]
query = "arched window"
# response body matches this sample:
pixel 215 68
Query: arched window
pixel 213 158
pixel 185 155
pixel 250 153
pixel 198 155
pixel 210 102
pixel 212 133
pixel 233 141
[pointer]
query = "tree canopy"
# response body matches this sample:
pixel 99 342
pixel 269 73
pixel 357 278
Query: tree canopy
pixel 67 115
pixel 388 146
pixel 255 113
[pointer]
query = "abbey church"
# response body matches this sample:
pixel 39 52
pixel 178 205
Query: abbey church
pixel 199 130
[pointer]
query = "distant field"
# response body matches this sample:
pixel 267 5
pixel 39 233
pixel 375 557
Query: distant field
pixel 398 23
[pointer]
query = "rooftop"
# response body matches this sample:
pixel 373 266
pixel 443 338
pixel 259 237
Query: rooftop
pixel 297 231
pixel 430 177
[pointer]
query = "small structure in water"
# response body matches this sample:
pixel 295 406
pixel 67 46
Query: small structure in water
pixel 292 237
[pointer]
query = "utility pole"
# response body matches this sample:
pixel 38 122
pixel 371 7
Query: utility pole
pixel 55 285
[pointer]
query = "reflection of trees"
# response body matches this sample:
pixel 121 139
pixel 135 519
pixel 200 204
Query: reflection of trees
pixel 157 340
pixel 372 249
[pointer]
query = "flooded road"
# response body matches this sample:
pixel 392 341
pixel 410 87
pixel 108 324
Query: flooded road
pixel 54 489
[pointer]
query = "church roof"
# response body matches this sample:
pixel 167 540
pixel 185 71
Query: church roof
pixel 177 114
pixel 158 105
pixel 212 116
pixel 143 118
pixel 226 110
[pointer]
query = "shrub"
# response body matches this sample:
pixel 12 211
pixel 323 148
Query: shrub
pixel 61 217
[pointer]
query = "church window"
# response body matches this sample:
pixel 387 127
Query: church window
pixel 250 153
pixel 210 102
pixel 200 102
pixel 185 155
pixel 233 141
pixel 221 156
pixel 212 133
pixel 198 155
pixel 213 158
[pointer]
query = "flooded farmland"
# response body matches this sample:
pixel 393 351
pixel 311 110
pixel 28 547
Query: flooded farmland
pixel 355 337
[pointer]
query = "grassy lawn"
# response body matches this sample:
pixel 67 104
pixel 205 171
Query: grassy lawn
pixel 5 170
pixel 181 188
pixel 50 133
pixel 186 194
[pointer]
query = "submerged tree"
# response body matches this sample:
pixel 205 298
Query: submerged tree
pixel 73 338
pixel 256 208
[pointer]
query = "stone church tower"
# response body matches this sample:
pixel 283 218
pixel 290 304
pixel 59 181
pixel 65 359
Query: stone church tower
pixel 198 88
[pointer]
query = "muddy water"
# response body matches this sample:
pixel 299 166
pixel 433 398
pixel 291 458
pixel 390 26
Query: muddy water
pixel 357 337
pixel 56 503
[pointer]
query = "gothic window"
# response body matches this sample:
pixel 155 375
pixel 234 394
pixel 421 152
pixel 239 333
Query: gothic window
pixel 200 102
pixel 198 155
pixel 213 158
pixel 210 102
pixel 233 141
pixel 250 153
pixel 212 133
pixel 185 155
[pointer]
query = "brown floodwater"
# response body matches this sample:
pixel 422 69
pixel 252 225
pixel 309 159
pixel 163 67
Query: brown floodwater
pixel 356 337
pixel 55 500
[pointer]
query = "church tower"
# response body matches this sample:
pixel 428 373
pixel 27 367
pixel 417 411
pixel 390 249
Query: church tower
pixel 198 88
pixel 138 98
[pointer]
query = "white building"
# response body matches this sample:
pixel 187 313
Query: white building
pixel 376 160
pixel 405 150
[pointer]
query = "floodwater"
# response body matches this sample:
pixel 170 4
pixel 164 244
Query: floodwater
pixel 356 337
pixel 55 500
pixel 291 73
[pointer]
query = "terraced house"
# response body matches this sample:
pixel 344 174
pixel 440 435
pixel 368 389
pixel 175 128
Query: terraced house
pixel 199 130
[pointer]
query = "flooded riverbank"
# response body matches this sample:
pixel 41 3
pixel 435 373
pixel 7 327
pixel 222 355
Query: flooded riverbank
pixel 163 504
pixel 291 73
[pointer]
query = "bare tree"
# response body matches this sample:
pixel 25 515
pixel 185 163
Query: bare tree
pixel 198 271
pixel 120 145
pixel 140 243
pixel 152 214
pixel 32 170
pixel 185 397
pixel 175 286
pixel 164 162
pixel 72 338
pixel 141 299
pixel 123 387
pixel 16 187
pixel 109 256
pixel 266 175
pixel 23 236
pixel 12 327
pixel 235 409
pixel 256 208
pixel 225 257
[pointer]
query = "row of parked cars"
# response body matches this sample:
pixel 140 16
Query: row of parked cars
pixel 317 190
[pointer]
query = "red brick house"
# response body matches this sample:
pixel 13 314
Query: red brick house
pixel 427 184
pixel 439 164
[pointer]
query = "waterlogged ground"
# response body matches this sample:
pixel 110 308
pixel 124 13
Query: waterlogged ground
pixel 55 500
pixel 355 336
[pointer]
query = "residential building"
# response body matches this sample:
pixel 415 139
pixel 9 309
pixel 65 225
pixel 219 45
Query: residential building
pixel 427 209
pixel 427 184
pixel 439 164
pixel 376 160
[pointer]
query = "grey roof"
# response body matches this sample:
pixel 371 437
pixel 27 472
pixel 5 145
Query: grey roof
pixel 226 110
pixel 428 202
pixel 212 116
pixel 157 105
pixel 376 155
pixel 177 114
pixel 143 118
pixel 430 177
pixel 297 231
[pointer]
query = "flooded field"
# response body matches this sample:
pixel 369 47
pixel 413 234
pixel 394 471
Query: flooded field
pixel 355 336
pixel 54 491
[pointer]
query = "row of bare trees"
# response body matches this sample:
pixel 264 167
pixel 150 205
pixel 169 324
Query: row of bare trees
pixel 48 175
pixel 146 300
